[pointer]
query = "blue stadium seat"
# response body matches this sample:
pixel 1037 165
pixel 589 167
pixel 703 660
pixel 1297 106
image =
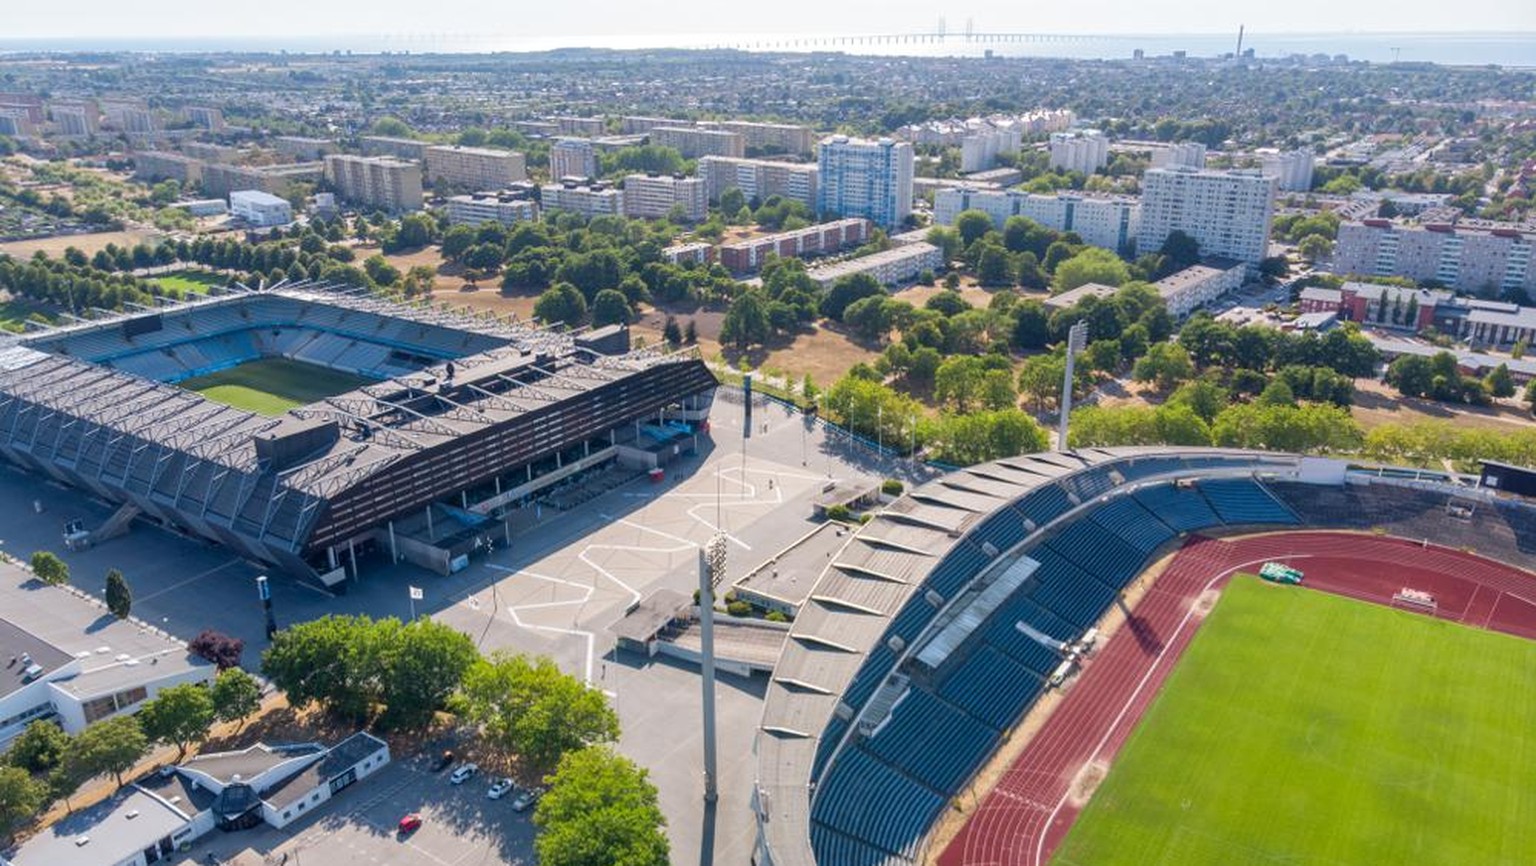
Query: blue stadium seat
pixel 1044 504
pixel 1241 501
pixel 865 799
pixel 991 687
pixel 957 569
pixel 1098 551
pixel 1182 510
pixel 932 741
pixel 1133 524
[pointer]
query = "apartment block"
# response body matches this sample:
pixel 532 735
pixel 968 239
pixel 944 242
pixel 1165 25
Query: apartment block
pixel 684 254
pixel 1292 169
pixel 637 125
pixel 1484 261
pixel 589 200
pixel 302 148
pixel 864 178
pixel 138 121
pixel 979 152
pixel 1188 290
pixel 210 152
pixel 587 126
pixel 1110 222
pixel 16 122
pixel 1227 212
pixel 572 157
pixel 772 137
pixel 537 128
pixel 759 179
pixel 694 143
pixel 384 182
pixel 890 267
pixel 1084 151
pixel 76 119
pixel 222 179
pixel 474 167
pixel 157 165
pixel 504 208
pixel 204 117
pixel 653 196
pixel 1186 154
pixel 746 256
pixel 29 102
pixel 388 145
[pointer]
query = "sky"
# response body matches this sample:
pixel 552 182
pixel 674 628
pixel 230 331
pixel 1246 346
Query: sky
pixel 645 20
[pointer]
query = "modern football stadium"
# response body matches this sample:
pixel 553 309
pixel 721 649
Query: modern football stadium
pixel 969 602
pixel 367 413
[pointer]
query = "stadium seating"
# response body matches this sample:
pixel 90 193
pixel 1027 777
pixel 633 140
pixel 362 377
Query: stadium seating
pixel 1241 501
pixel 1133 524
pixel 1098 551
pixel 834 847
pixel 1002 529
pixel 1003 634
pixel 991 687
pixel 1044 504
pixel 1181 510
pixel 957 569
pixel 875 668
pixel 865 799
pixel 932 741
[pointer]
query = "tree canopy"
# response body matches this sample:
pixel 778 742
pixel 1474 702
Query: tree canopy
pixel 601 810
pixel 532 709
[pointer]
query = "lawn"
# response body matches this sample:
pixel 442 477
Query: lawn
pixel 190 282
pixel 1308 728
pixel 272 386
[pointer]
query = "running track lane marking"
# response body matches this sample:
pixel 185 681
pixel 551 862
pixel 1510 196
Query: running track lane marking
pixel 1131 699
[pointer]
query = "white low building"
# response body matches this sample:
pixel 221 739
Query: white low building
pixel 259 208
pixel 889 267
pixel 148 821
pixel 73 662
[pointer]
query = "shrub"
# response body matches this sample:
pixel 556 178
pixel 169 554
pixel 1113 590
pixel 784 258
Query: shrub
pixel 839 512
pixel 219 648
pixel 777 616
pixel 892 487
pixel 738 608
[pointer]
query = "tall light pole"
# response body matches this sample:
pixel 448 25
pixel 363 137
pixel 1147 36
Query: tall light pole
pixel 1077 339
pixel 711 572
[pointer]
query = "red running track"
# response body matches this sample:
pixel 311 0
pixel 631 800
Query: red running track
pixel 1026 816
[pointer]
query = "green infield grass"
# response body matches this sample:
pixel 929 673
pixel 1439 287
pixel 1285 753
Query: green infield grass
pixel 190 282
pixel 1301 727
pixel 272 386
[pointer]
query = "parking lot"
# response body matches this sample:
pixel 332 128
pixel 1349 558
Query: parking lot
pixel 460 825
pixel 565 579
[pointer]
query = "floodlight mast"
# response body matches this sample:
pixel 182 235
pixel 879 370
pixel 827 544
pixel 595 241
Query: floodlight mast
pixel 1077 340
pixel 711 572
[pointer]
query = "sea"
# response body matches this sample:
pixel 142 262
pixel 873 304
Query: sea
pixel 1505 49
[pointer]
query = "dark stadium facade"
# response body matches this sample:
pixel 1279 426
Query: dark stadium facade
pixel 473 414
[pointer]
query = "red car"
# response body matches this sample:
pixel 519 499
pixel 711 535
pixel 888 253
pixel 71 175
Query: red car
pixel 410 824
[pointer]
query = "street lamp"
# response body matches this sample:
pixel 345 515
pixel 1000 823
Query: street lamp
pixel 1077 339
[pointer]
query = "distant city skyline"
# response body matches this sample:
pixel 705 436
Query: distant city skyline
pixel 606 22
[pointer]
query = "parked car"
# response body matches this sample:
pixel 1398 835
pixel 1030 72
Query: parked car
pixel 500 788
pixel 442 762
pixel 410 824
pixel 526 798
pixel 464 774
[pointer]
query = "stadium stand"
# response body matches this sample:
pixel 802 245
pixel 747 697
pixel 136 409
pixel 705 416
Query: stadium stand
pixel 1241 501
pixel 459 403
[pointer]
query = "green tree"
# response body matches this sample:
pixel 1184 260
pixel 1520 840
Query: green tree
pixel 1179 251
pixel 533 710
pixel 592 272
pixel 845 291
pixel 119 596
pixel 610 307
pixel 562 303
pixel 22 798
pixel 732 200
pixel 1166 364
pixel 601 810
pixel 49 568
pixel 671 332
pixel 38 748
pixel 1500 383
pixel 746 321
pixel 1091 265
pixel 236 696
pixel 179 715
pixel 109 746
pixel 993 269
pixel 975 437
pixel 336 661
pixel 1203 397
pixel 972 224
pixel 393 127
pixel 1031 328
pixel 425 664
pixel 457 241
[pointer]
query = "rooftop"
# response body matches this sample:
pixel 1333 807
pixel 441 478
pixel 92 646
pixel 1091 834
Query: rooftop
pixel 246 764
pixel 113 654
pixel 1071 297
pixel 791 574
pixel 22 649
pixel 108 832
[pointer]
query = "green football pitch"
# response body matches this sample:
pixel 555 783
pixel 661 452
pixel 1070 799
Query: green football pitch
pixel 272 386
pixel 1301 727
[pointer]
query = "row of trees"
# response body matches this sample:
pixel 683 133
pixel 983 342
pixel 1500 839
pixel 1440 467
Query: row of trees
pixel 1439 377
